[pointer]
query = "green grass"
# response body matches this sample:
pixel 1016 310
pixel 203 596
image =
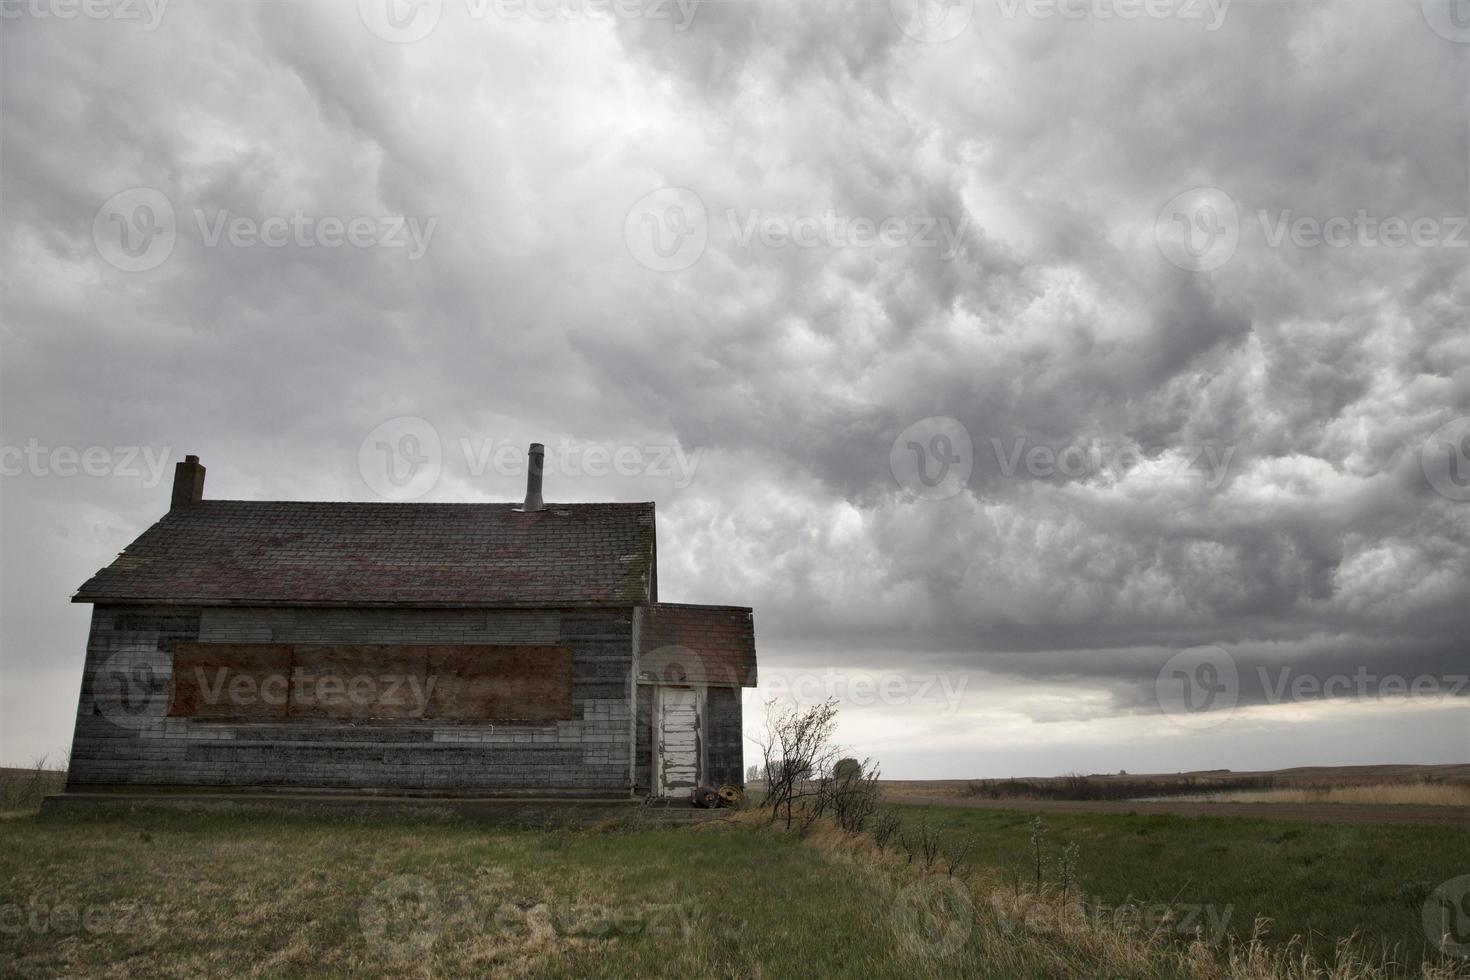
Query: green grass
pixel 162 893
pixel 1323 882
pixel 278 895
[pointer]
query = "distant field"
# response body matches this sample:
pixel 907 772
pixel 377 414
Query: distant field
pixel 1412 785
pixel 23 789
pixel 1374 794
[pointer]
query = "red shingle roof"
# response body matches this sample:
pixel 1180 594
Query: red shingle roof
pixel 296 553
pixel 696 644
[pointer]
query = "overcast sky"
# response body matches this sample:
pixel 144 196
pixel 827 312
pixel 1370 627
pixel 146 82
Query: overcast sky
pixel 1077 388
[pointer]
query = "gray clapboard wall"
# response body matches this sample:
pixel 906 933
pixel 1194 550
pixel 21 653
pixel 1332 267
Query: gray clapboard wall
pixel 124 736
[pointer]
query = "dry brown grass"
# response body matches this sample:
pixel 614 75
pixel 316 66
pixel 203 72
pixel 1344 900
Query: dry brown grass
pixel 1406 794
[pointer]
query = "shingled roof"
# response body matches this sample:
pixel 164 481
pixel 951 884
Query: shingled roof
pixel 237 552
pixel 680 643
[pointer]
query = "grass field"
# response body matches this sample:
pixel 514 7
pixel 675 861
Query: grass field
pixel 1397 794
pixel 1319 882
pixel 176 894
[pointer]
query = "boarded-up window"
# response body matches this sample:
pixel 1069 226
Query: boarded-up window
pixel 459 682
pixel 231 680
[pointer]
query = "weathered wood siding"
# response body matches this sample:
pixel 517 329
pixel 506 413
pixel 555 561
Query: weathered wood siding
pixel 125 736
pixel 724 737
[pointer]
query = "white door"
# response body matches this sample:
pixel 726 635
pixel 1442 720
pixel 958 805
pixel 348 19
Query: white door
pixel 678 741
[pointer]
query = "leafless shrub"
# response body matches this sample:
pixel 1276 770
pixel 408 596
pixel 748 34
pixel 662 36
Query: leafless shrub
pixel 796 747
pixel 1038 848
pixel 1067 869
pixel 25 789
pixel 886 825
pixel 957 856
pixel 924 841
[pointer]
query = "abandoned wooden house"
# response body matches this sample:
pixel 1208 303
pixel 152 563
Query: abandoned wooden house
pixel 455 649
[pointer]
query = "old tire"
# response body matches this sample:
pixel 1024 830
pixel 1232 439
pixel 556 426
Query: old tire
pixel 705 796
pixel 730 795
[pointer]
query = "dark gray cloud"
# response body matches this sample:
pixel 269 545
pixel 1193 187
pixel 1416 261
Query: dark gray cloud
pixel 1236 456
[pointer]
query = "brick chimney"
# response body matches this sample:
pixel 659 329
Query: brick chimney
pixel 188 482
pixel 536 459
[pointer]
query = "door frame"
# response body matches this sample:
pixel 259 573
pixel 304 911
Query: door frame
pixel 656 782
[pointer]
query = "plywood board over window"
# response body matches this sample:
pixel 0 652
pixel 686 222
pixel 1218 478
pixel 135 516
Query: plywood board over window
pixel 231 680
pixel 505 683
pixel 360 681
pixel 390 682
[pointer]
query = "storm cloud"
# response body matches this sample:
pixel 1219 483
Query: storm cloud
pixel 1169 426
